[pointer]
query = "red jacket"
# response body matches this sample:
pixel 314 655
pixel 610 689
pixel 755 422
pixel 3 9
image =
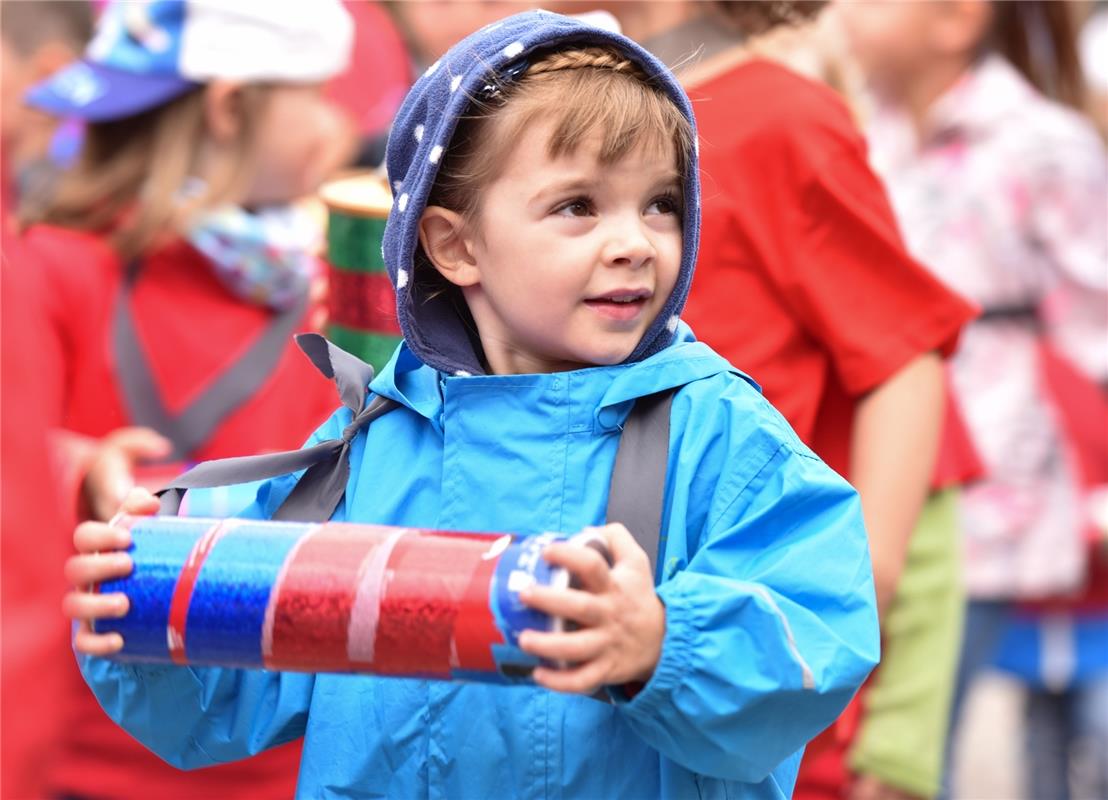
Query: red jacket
pixel 191 329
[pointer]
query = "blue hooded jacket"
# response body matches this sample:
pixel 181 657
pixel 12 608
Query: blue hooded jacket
pixel 763 565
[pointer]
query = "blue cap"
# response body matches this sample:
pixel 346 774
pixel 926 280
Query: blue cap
pixel 98 93
pixel 131 65
pixel 147 53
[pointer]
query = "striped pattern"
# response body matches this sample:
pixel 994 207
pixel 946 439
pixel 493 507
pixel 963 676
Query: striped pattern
pixel 363 301
pixel 361 298
pixel 331 597
pixel 177 625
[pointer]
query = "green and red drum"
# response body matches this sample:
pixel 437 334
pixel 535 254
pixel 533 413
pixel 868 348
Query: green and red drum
pixel 361 299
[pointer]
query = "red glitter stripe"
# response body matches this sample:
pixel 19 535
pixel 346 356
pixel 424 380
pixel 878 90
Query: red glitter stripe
pixel 428 575
pixel 364 301
pixel 315 597
pixel 475 630
pixel 177 628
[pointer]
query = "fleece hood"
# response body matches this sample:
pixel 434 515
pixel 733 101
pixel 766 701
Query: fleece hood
pixel 421 134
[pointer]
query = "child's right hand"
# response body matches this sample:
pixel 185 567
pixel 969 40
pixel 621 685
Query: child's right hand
pixel 111 473
pixel 99 559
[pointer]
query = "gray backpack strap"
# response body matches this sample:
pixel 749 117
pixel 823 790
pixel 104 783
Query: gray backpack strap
pixel 196 424
pixel 321 488
pixel 637 494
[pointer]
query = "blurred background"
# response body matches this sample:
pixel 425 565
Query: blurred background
pixel 160 215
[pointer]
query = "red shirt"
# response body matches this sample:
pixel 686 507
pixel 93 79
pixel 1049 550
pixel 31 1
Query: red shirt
pixel 803 280
pixel 191 329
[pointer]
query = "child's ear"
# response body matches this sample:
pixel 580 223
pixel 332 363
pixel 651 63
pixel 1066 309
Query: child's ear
pixel 223 109
pixel 443 237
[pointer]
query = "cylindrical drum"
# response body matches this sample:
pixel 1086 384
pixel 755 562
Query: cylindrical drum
pixel 361 299
pixel 332 597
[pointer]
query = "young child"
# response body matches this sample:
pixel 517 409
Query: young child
pixel 35 41
pixel 174 275
pixel 1003 192
pixel 804 282
pixel 542 242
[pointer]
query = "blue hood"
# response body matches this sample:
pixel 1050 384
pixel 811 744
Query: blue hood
pixel 420 135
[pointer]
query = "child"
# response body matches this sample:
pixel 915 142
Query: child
pixel 174 275
pixel 1002 192
pixel 542 243
pixel 804 281
pixel 35 41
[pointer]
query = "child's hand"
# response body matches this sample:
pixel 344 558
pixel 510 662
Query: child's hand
pixel 98 560
pixel 622 621
pixel 111 473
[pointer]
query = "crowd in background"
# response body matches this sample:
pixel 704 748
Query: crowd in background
pixel 904 242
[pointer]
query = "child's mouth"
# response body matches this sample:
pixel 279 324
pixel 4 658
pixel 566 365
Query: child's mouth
pixel 622 306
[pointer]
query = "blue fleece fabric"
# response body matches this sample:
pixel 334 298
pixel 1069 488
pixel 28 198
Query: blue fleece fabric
pixel 421 134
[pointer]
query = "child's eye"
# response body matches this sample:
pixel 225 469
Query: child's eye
pixel 577 207
pixel 664 204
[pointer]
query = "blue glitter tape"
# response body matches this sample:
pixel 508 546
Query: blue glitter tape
pixel 158 551
pixel 227 612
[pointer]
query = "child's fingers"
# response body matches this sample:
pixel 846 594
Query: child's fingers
pixel 587 565
pixel 96 644
pixel 622 545
pixel 91 605
pixel 574 647
pixel 91 537
pixel 572 604
pixel 141 502
pixel 585 679
pixel 108 480
pixel 82 570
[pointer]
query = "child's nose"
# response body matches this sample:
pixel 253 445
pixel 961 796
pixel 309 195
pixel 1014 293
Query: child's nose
pixel 628 245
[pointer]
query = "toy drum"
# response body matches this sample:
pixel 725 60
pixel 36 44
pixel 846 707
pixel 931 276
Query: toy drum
pixel 362 303
pixel 333 597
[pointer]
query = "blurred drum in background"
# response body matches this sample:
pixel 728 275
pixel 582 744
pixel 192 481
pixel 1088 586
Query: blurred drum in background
pixel 361 301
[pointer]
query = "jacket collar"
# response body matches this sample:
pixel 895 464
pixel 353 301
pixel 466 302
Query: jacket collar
pixel 607 393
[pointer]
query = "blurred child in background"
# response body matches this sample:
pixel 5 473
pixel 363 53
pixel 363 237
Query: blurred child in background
pixel 804 281
pixel 1002 188
pixel 36 40
pixel 175 272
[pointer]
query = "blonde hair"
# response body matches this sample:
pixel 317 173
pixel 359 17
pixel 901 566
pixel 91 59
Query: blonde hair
pixel 585 91
pixel 129 178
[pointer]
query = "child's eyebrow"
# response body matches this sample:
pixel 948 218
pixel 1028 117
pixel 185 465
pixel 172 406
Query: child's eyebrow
pixel 579 184
pixel 584 184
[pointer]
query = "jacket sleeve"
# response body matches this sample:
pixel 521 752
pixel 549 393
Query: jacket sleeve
pixel 770 628
pixel 199 716
pixel 196 717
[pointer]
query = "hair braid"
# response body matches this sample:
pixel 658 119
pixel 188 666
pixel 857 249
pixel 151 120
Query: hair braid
pixel 582 58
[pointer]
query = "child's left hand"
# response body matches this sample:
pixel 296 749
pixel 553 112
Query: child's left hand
pixel 622 621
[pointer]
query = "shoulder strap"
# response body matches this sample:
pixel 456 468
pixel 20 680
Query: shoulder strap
pixel 636 497
pixel 192 427
pixel 319 491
